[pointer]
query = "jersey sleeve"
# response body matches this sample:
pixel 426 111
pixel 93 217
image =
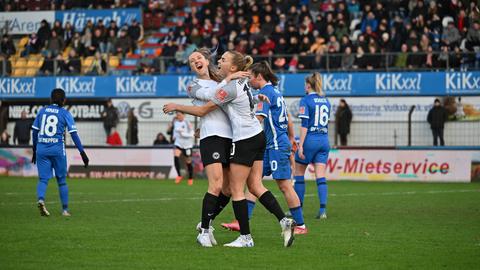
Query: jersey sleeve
pixel 36 122
pixel 303 109
pixel 70 122
pixel 264 107
pixel 195 90
pixel 226 94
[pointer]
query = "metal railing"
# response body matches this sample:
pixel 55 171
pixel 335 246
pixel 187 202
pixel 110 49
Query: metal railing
pixel 297 63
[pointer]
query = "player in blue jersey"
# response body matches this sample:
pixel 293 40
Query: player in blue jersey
pixel 313 147
pixel 48 131
pixel 279 137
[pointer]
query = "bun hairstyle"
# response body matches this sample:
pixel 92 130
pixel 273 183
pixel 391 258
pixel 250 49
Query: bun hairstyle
pixel 315 81
pixel 210 56
pixel 240 61
pixel 265 70
pixel 57 97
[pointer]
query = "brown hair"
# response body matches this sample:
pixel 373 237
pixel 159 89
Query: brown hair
pixel 240 61
pixel 315 81
pixel 265 70
pixel 212 69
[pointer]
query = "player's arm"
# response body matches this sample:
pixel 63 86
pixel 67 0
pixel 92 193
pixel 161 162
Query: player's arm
pixel 291 133
pixel 192 110
pixel 72 129
pixel 304 115
pixel 189 133
pixel 35 130
pixel 262 107
pixel 206 94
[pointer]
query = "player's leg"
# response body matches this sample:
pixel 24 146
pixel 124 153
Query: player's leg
pixel 251 199
pixel 266 198
pixel 188 161
pixel 176 160
pixel 44 166
pixel 60 168
pixel 320 161
pixel 300 168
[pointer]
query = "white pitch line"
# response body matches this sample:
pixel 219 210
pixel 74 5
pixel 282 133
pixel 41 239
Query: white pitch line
pixel 306 195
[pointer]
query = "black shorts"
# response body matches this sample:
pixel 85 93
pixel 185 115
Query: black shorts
pixel 215 149
pixel 187 152
pixel 247 151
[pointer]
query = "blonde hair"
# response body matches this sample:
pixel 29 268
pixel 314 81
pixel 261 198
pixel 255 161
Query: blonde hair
pixel 315 81
pixel 240 61
pixel 212 69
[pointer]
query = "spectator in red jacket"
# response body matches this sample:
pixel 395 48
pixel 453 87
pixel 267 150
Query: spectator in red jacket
pixel 114 138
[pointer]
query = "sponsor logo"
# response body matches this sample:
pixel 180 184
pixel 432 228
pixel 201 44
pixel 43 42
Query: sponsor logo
pixel 77 86
pixel 216 155
pixel 184 84
pixel 260 106
pixel 79 18
pixel 398 82
pixel 462 82
pixel 337 84
pixel 25 22
pixel 221 95
pixel 301 110
pixel 136 86
pixel 18 87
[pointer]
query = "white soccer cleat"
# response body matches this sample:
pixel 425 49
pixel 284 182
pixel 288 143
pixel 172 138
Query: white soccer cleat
pixel 204 239
pixel 288 227
pixel 43 210
pixel 321 216
pixel 210 233
pixel 65 213
pixel 241 241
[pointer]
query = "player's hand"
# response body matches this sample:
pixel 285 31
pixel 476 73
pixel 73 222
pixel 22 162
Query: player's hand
pixel 300 153
pixel 84 158
pixel 263 98
pixel 237 75
pixel 34 157
pixel 294 144
pixel 170 107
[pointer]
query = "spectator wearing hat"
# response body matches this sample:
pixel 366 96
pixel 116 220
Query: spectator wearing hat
pixel 437 116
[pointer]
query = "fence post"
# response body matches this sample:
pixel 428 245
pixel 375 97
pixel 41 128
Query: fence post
pixel 410 112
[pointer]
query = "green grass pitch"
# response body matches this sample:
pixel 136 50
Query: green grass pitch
pixel 144 224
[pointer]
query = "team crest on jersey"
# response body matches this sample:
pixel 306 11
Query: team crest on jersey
pixel 301 110
pixel 260 106
pixel 216 155
pixel 221 95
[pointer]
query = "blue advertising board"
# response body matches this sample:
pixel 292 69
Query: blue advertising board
pixel 334 84
pixel 78 18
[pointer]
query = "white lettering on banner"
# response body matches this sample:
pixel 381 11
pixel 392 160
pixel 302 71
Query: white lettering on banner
pixel 17 87
pixel 337 85
pixel 136 86
pixel 458 81
pixel 25 22
pixel 391 82
pixel 77 111
pixel 77 85
pixel 183 83
pixel 80 18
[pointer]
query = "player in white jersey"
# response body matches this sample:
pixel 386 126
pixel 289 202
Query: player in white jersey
pixel 215 143
pixel 248 147
pixel 183 140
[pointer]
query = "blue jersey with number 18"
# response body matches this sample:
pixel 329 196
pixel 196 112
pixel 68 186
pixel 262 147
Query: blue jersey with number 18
pixel 316 109
pixel 51 123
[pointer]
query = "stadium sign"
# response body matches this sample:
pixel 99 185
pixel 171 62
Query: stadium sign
pixel 398 83
pixel 77 86
pixel 25 23
pixel 136 86
pixel 16 87
pixel 462 82
pixel 78 18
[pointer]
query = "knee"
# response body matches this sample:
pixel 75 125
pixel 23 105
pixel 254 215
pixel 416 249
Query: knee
pixel 284 186
pixel 61 181
pixel 256 189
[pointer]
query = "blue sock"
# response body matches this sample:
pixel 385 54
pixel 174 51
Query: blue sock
pixel 251 206
pixel 63 191
pixel 297 215
pixel 322 190
pixel 42 188
pixel 300 188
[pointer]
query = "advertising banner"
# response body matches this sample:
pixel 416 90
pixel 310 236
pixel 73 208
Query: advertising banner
pixel 25 23
pixel 343 164
pixel 148 110
pixel 78 18
pixel 292 85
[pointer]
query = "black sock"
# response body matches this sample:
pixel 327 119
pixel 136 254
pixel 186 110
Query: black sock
pixel 241 214
pixel 177 165
pixel 208 209
pixel 221 203
pixel 190 170
pixel 269 201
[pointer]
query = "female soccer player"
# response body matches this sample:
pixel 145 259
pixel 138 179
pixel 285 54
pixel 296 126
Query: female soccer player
pixel 183 141
pixel 313 147
pixel 279 133
pixel 215 142
pixel 248 147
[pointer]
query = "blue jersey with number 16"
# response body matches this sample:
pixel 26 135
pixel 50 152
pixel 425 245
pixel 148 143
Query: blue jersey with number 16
pixel 316 109
pixel 51 123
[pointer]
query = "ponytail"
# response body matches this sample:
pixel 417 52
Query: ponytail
pixel 265 70
pixel 315 81
pixel 240 61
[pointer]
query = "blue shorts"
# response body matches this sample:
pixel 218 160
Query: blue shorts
pixel 277 164
pixel 315 151
pixel 47 163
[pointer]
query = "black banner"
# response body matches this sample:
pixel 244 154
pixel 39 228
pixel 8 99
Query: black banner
pixel 81 110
